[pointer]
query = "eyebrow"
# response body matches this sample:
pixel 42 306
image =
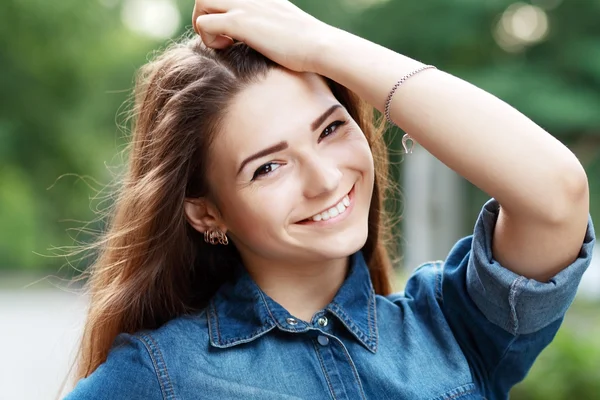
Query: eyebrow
pixel 284 145
pixel 317 122
pixel 270 150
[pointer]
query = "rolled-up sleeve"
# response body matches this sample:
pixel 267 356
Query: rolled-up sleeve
pixel 517 304
pixel 503 320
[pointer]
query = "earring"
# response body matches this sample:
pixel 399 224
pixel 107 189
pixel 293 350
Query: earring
pixel 215 236
pixel 405 138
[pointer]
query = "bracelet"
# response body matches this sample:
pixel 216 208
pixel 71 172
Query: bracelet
pixel 391 95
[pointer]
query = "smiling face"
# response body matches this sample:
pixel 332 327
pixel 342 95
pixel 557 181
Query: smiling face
pixel 291 172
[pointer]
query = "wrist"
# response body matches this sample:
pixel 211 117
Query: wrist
pixel 324 57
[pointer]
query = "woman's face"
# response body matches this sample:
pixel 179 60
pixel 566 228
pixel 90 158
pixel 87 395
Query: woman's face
pixel 291 172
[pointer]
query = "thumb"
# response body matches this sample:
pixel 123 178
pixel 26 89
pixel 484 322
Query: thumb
pixel 214 29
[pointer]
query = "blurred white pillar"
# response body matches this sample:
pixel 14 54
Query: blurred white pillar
pixel 433 208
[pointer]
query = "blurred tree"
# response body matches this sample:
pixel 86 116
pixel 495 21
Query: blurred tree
pixel 555 82
pixel 569 368
pixel 67 68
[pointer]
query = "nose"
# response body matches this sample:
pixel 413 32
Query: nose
pixel 321 175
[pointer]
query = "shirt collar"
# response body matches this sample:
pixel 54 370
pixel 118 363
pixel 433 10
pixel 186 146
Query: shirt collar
pixel 241 312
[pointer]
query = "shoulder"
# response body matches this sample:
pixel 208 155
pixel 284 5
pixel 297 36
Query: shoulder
pixel 179 328
pixel 127 373
pixel 137 366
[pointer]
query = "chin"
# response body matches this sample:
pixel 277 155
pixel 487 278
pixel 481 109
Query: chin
pixel 341 245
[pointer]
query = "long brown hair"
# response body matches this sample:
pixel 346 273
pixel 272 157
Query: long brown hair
pixel 151 265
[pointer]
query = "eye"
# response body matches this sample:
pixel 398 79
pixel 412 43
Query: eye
pixel 331 128
pixel 265 169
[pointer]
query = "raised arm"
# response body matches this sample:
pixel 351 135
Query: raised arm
pixel 541 186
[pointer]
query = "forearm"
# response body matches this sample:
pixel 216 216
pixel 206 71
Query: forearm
pixel 476 134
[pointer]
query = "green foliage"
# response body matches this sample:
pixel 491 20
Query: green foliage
pixel 569 368
pixel 67 69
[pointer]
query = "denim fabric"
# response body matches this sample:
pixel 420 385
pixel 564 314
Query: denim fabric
pixel 466 328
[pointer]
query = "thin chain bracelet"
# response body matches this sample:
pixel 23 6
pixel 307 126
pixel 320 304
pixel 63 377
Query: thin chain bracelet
pixel 389 102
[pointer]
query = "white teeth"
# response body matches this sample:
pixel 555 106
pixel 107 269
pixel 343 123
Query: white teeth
pixel 333 211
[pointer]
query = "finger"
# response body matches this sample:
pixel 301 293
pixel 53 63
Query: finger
pixel 195 15
pixel 216 30
pixel 220 42
pixel 202 7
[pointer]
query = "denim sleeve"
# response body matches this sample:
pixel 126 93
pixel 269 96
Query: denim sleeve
pixel 128 373
pixel 502 320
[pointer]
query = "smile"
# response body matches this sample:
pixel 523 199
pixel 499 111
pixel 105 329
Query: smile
pixel 335 212
pixel 332 212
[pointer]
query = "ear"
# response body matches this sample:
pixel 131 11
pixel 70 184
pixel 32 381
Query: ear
pixel 203 215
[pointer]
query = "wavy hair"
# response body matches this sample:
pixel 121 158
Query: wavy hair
pixel 151 265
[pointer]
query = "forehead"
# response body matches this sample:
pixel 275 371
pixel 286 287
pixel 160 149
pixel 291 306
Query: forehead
pixel 273 109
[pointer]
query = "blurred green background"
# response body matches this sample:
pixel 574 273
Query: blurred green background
pixel 67 67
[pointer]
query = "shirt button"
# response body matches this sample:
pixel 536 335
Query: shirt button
pixel 323 340
pixel 292 321
pixel 322 321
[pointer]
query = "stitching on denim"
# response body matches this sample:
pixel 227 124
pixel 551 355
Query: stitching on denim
pixel 213 315
pixel 322 362
pixel 153 350
pixel 268 309
pixel 369 317
pixel 274 320
pixel 374 305
pixel 336 309
pixel 162 360
pixel 462 390
pixel 370 312
pixel 348 321
pixel 353 367
pixel 512 301
pixel 245 339
pixel 439 271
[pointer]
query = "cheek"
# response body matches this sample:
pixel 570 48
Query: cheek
pixel 257 216
pixel 354 152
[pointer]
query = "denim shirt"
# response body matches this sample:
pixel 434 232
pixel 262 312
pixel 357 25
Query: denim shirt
pixel 466 328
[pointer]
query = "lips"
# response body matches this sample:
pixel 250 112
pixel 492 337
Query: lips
pixel 332 211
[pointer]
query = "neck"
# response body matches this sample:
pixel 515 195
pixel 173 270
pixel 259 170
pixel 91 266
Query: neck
pixel 302 289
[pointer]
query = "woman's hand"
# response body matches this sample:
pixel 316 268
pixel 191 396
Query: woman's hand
pixel 276 28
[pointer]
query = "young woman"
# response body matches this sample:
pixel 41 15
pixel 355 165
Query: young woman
pixel 246 254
